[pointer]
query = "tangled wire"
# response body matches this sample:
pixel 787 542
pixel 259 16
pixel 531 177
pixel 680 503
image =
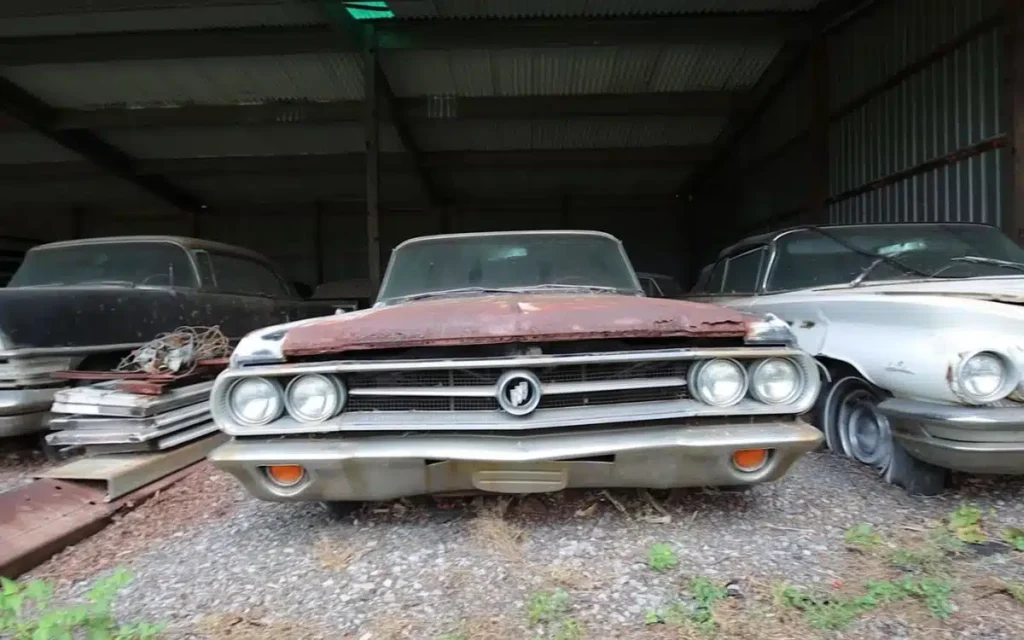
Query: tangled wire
pixel 177 352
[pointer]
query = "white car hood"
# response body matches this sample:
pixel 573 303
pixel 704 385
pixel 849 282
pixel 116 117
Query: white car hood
pixel 1001 288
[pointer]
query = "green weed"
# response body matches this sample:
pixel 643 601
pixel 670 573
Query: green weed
pixel 835 612
pixel 965 524
pixel 27 612
pixel 1015 537
pixel 862 536
pixel 700 614
pixel 551 608
pixel 660 557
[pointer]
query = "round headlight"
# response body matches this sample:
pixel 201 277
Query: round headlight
pixel 985 377
pixel 719 382
pixel 775 381
pixel 255 401
pixel 314 398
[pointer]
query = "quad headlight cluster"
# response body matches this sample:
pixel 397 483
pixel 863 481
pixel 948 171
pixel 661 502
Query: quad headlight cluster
pixel 724 382
pixel 987 376
pixel 308 398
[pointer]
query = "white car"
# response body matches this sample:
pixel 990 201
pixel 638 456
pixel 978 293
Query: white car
pixel 920 327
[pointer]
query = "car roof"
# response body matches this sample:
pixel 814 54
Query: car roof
pixel 488 234
pixel 771 236
pixel 181 241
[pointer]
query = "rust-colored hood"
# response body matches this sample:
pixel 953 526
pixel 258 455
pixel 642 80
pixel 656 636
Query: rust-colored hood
pixel 512 318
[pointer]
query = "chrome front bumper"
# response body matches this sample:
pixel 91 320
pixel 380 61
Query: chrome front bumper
pixel 962 438
pixel 389 467
pixel 25 411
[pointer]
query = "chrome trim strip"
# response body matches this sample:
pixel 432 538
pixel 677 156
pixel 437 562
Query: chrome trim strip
pixel 549 389
pixel 511 362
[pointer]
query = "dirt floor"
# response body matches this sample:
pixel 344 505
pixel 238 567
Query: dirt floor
pixel 828 552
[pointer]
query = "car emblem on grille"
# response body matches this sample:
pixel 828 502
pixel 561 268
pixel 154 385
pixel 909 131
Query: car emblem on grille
pixel 518 392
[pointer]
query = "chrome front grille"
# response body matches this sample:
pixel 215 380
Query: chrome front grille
pixel 443 390
pixel 511 393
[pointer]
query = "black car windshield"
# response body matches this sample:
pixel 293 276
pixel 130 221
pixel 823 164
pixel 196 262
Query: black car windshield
pixel 810 258
pixel 507 261
pixel 157 264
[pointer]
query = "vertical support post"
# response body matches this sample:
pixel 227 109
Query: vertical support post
pixel 372 124
pixel 1013 210
pixel 318 241
pixel 817 205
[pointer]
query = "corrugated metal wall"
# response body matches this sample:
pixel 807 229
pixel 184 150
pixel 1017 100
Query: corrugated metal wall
pixel 949 103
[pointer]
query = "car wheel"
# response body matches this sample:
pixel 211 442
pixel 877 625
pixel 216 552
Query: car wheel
pixel 854 427
pixel 339 509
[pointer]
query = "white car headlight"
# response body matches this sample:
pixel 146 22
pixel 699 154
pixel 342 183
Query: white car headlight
pixel 986 377
pixel 255 401
pixel 776 381
pixel 314 398
pixel 719 382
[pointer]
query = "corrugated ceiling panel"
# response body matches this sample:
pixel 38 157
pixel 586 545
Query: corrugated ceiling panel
pixel 203 142
pixel 576 8
pixel 587 133
pixel 216 81
pixel 26 147
pixel 163 18
pixel 576 71
pixel 726 66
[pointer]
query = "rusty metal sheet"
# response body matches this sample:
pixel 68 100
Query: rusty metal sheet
pixel 501 319
pixel 43 517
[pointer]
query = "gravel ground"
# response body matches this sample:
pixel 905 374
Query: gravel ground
pixel 212 563
pixel 20 459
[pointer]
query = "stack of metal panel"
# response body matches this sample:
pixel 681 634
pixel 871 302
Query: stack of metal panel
pixel 105 418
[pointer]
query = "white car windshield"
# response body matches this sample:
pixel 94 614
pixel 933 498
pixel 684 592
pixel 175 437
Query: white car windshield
pixel 542 261
pixel 839 255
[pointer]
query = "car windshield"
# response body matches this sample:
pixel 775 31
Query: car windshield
pixel 810 258
pixel 116 263
pixel 507 261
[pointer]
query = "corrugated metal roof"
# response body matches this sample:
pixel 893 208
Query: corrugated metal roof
pixel 577 71
pixel 216 81
pixel 583 133
pixel 162 18
pixel 586 8
pixel 27 147
pixel 208 142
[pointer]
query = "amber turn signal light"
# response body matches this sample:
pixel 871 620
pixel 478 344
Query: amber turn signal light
pixel 286 475
pixel 750 459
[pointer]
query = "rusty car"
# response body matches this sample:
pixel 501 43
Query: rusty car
pixel 919 326
pixel 512 362
pixel 84 304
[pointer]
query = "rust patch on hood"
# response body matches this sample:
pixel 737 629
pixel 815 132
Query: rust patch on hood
pixel 513 318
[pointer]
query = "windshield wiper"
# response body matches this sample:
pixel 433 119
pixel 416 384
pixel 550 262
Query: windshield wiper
pixel 982 260
pixel 596 288
pixel 866 271
pixel 453 292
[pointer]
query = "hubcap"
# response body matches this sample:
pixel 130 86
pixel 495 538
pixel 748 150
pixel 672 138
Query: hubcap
pixel 864 431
